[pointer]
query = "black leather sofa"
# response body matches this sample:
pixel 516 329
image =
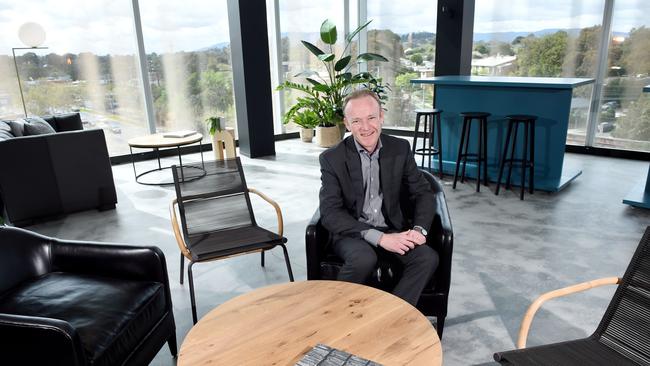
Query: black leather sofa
pixel 324 264
pixel 81 303
pixel 57 173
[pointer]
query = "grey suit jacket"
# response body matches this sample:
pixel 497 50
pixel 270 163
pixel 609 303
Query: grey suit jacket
pixel 341 193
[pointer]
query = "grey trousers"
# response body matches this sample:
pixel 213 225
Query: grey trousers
pixel 360 259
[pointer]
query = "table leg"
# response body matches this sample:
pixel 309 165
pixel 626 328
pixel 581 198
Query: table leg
pixel 133 162
pixel 180 162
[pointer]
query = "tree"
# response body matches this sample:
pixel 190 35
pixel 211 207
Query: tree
pixel 417 59
pixel 635 51
pixel 543 56
pixel 635 124
pixel 585 52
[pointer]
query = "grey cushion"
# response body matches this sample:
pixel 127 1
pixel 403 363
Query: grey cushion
pixel 17 127
pixel 5 131
pixel 37 126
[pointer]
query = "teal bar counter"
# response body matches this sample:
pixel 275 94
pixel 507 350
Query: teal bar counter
pixel 547 98
pixel 639 196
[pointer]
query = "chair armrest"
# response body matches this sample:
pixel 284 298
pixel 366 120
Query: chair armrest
pixel 278 211
pixel 30 340
pixel 137 263
pixel 178 234
pixel 532 309
pixel 441 238
pixel 314 236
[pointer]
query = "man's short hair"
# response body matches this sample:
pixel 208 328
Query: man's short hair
pixel 357 94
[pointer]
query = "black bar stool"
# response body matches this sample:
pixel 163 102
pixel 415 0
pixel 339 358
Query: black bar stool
pixel 527 156
pixel 431 119
pixel 481 155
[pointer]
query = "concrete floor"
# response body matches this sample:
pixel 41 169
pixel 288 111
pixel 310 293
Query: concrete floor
pixel 506 252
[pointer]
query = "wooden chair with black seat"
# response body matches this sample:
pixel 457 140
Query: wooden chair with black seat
pixel 324 264
pixel 212 217
pixel 622 337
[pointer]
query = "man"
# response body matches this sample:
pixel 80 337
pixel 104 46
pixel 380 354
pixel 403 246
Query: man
pixel 362 179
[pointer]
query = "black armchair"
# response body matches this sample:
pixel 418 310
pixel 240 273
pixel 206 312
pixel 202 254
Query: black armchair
pixel 323 264
pixel 80 303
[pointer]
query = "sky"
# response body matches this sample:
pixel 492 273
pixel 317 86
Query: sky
pixel 106 26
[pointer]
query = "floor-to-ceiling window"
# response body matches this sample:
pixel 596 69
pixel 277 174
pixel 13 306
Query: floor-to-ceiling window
pixel 624 114
pixel 89 66
pixel 559 38
pixel 188 53
pixel 405 35
pixel 300 20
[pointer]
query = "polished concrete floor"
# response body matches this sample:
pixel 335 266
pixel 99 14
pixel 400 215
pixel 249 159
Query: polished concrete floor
pixel 506 251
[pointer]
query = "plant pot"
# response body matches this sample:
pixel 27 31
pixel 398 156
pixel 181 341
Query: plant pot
pixel 328 136
pixel 306 134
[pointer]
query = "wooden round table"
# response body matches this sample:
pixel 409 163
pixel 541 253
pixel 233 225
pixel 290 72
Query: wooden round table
pixel 158 141
pixel 277 325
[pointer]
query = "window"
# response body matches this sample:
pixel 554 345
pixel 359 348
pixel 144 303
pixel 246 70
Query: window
pixel 190 72
pixel 532 38
pixel 301 21
pixel 89 67
pixel 624 114
pixel 404 34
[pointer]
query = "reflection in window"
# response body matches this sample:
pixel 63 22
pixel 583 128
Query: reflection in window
pixel 406 36
pixel 188 51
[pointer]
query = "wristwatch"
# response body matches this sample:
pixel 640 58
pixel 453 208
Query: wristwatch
pixel 420 230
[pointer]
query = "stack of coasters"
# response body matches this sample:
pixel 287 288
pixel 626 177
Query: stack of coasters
pixel 322 355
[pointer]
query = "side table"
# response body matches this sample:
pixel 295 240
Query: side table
pixel 158 141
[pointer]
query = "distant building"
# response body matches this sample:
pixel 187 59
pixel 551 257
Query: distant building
pixel 493 65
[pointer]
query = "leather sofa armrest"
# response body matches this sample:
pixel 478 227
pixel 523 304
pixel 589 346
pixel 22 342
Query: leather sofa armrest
pixel 30 340
pixel 111 260
pixel 312 247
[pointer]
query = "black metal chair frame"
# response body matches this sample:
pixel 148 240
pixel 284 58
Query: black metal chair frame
pixel 527 154
pixel 481 154
pixel 433 301
pixel 622 337
pixel 428 149
pixel 178 204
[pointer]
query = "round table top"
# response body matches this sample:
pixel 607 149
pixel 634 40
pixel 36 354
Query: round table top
pixel 158 140
pixel 279 324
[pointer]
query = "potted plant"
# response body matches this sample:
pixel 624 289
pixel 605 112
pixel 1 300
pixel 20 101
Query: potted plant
pixel 307 119
pixel 324 95
pixel 217 125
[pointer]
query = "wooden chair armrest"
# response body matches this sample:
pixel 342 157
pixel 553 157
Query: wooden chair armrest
pixel 278 211
pixel 178 234
pixel 532 309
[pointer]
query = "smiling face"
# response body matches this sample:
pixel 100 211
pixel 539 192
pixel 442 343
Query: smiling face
pixel 364 118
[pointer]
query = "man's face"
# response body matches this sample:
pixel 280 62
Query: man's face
pixel 364 118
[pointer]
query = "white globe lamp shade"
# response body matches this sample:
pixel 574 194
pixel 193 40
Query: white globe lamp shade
pixel 31 34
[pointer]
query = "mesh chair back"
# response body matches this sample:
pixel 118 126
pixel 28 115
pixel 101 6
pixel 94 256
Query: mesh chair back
pixel 217 201
pixel 625 327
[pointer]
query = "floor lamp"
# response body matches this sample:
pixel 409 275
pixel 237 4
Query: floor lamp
pixel 32 35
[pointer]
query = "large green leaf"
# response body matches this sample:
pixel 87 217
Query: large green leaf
pixel 371 57
pixel 328 32
pixel 315 50
pixel 354 32
pixel 345 76
pixel 326 57
pixel 342 63
pixel 305 73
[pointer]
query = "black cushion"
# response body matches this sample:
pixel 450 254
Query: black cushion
pixel 17 127
pixel 51 121
pixel 37 126
pixel 68 122
pixel 5 131
pixel 110 315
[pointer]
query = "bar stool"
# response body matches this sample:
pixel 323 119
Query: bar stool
pixel 481 155
pixel 527 156
pixel 431 118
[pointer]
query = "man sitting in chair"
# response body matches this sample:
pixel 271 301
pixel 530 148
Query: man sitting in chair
pixel 362 179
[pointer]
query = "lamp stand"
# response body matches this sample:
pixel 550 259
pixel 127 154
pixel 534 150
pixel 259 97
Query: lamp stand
pixel 20 86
